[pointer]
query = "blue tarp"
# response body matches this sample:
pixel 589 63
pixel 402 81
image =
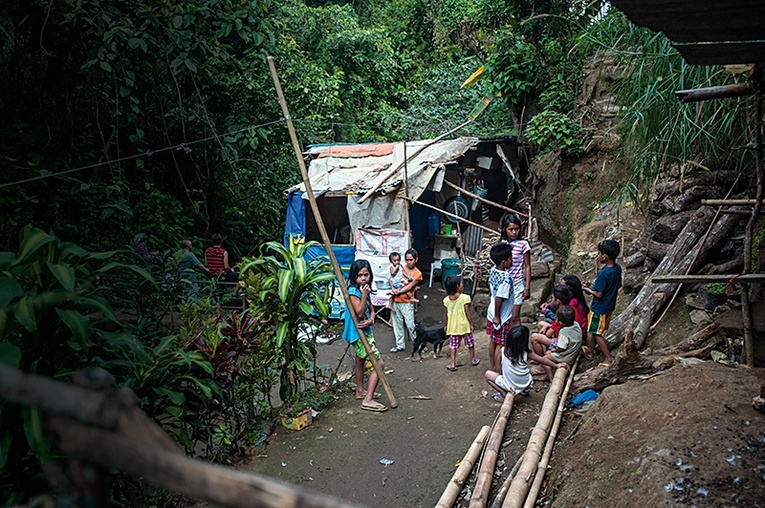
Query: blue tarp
pixel 345 255
pixel 295 224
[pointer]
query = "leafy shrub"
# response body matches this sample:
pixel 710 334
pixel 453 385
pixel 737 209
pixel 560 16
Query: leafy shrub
pixel 551 130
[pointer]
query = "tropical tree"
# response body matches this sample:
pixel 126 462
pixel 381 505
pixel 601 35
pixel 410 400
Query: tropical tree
pixel 287 291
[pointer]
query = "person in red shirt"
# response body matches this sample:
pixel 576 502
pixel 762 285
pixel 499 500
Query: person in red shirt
pixel 216 259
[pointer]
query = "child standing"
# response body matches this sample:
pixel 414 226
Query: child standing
pixel 520 270
pixel 515 376
pixel 397 279
pixel 500 310
pixel 459 326
pixel 603 292
pixel 359 288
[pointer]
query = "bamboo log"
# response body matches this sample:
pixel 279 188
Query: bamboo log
pixel 520 484
pixel 427 205
pixel 486 471
pixel 386 176
pixel 463 471
pixel 484 200
pixel 174 471
pixel 325 236
pixel 536 485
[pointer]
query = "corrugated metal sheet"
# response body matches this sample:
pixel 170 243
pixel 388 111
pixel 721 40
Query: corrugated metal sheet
pixel 703 21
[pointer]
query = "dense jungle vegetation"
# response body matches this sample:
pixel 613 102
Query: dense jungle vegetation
pixel 119 116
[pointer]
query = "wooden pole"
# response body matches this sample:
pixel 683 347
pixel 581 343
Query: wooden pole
pixel 426 205
pixel 746 311
pixel 520 485
pixel 502 492
pixel 325 236
pixel 536 485
pixel 735 279
pixel 486 471
pixel 109 429
pixel 454 488
pixel 395 168
pixel 484 200
pixel 716 92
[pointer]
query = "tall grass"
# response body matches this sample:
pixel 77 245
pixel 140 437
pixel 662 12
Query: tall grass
pixel 659 133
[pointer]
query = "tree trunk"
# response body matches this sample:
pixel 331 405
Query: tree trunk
pixel 638 315
pixel 629 363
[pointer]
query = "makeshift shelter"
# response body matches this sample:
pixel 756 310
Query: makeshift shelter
pixel 342 174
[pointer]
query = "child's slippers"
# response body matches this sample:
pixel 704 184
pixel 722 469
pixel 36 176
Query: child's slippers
pixel 586 352
pixel 498 397
pixel 377 407
pixel 475 361
pixel 525 393
pixel 376 395
pixel 538 372
pixel 604 364
pixel 451 369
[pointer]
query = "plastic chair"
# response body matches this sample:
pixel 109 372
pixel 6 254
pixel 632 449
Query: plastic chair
pixel 435 265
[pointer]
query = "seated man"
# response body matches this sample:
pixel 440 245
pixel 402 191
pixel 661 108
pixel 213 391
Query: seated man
pixel 564 347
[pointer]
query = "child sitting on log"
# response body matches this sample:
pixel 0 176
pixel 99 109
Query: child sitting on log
pixel 515 377
pixel 565 346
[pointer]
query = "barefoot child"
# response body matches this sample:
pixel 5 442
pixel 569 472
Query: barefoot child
pixel 500 309
pixel 458 325
pixel 520 270
pixel 603 292
pixel 359 288
pixel 565 346
pixel 397 279
pixel 515 377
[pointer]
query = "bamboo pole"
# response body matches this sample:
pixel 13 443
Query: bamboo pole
pixel 463 471
pixel 484 200
pixel 395 168
pixel 486 471
pixel 325 236
pixel 731 202
pixel 536 485
pixel 502 492
pixel 716 92
pixel 426 205
pixel 520 485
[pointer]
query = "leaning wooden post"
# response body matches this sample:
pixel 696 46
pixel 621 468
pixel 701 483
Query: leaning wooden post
pixel 746 311
pixel 463 471
pixel 531 499
pixel 486 471
pixel 516 495
pixel 325 236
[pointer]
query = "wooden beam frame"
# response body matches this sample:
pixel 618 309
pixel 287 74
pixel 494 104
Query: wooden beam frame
pixel 484 200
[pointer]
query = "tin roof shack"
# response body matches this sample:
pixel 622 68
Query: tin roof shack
pixel 341 175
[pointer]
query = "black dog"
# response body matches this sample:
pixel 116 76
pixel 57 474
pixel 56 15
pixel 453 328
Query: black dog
pixel 435 337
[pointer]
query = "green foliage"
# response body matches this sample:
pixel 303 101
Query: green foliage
pixel 288 292
pixel 557 131
pixel 55 319
pixel 659 132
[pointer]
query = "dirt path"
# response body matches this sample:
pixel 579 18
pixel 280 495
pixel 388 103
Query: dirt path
pixel 339 454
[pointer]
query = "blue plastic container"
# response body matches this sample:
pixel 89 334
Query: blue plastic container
pixel 450 266
pixel 434 224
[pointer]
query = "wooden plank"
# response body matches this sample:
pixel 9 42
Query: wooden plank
pixel 736 279
pixel 716 92
pixel 426 205
pixel 732 202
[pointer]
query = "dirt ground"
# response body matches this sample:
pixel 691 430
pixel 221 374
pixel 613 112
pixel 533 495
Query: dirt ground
pixel 340 453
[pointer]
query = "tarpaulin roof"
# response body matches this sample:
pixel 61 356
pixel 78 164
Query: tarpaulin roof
pixel 341 170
